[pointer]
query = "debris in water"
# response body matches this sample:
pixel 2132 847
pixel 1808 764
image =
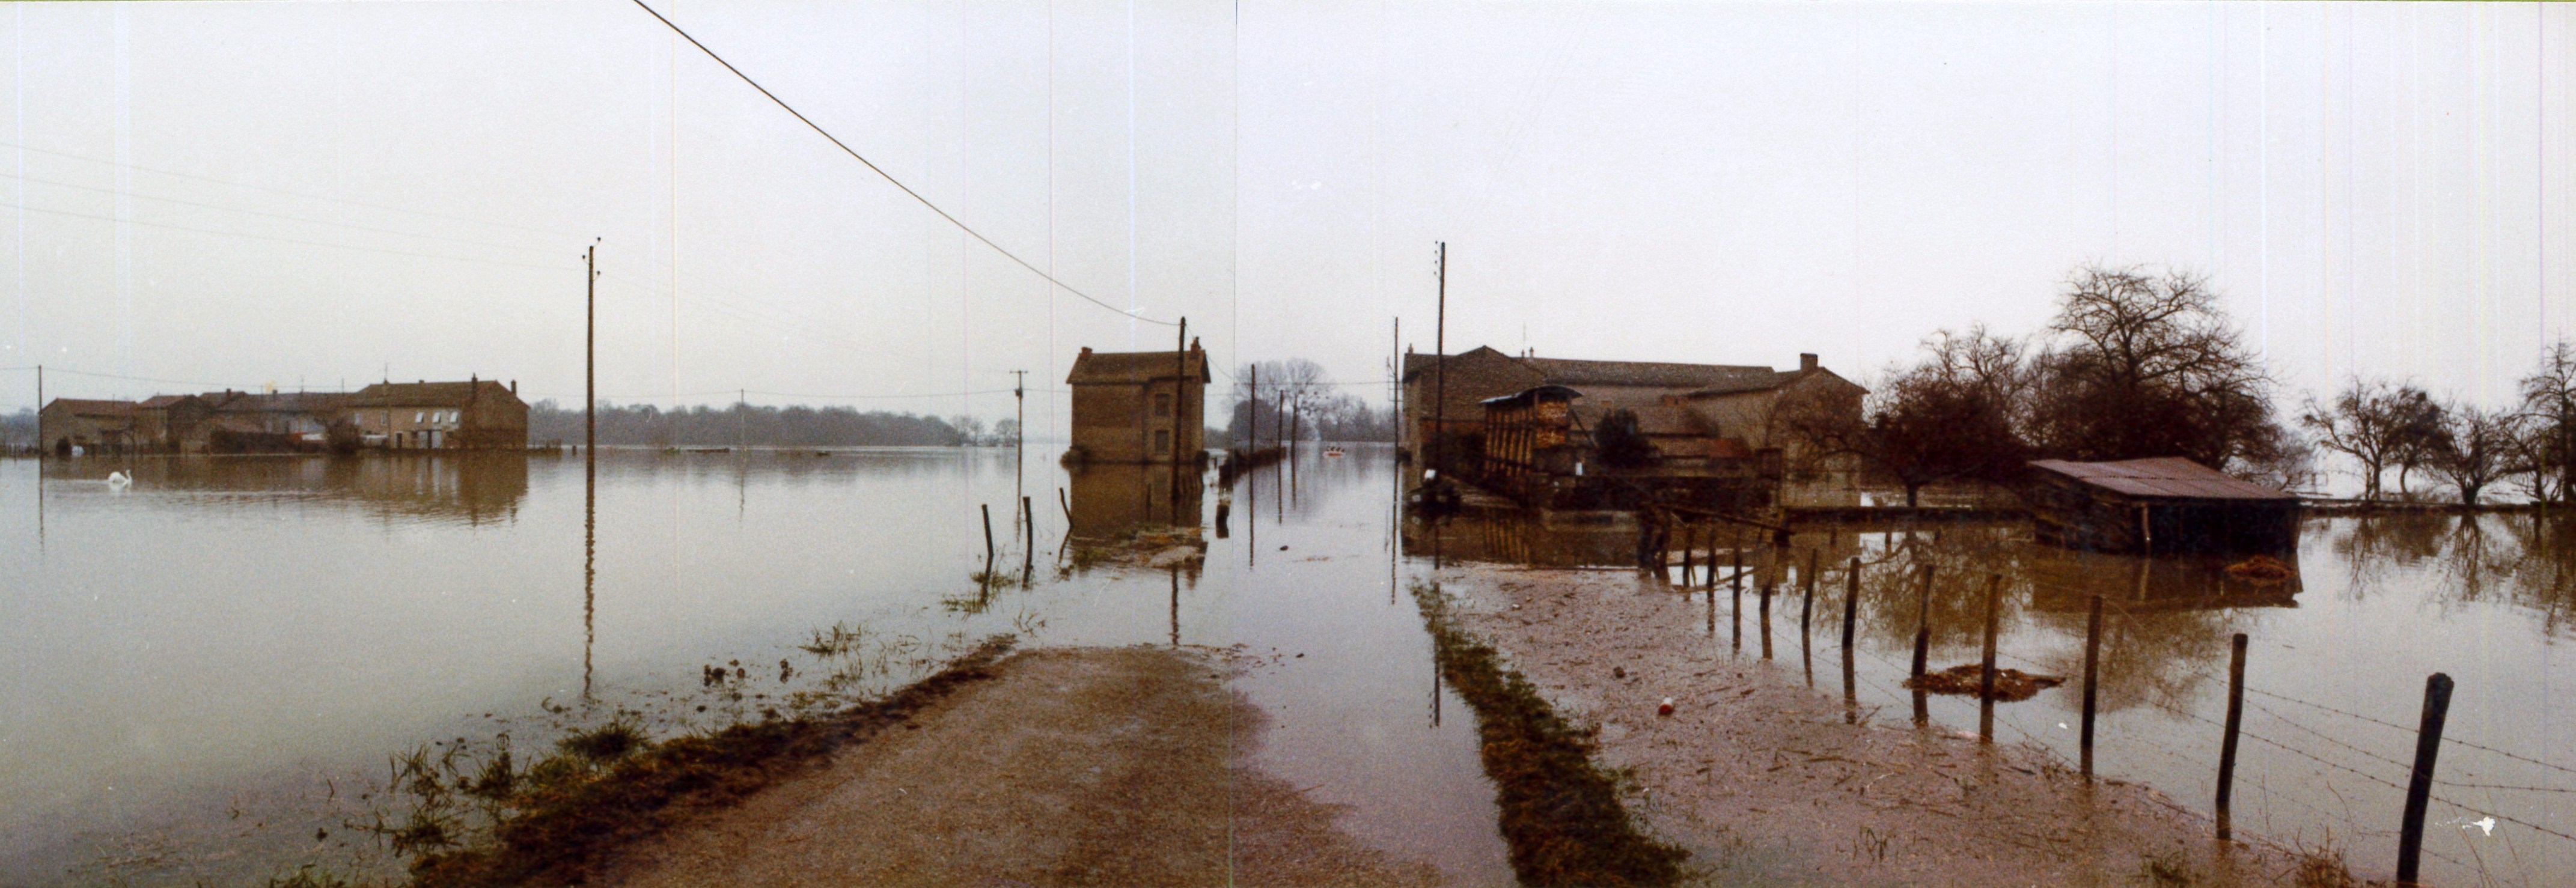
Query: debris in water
pixel 1618 672
pixel 2011 685
pixel 2260 570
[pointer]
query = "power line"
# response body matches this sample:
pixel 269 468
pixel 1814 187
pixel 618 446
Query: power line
pixel 354 203
pixel 881 173
pixel 290 240
pixel 309 221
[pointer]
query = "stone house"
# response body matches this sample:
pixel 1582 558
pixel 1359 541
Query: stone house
pixel 92 425
pixel 172 423
pixel 477 414
pixel 1139 407
pixel 1703 420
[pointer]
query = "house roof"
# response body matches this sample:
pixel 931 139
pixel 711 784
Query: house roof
pixel 1132 367
pixel 2163 477
pixel 428 394
pixel 157 402
pixel 280 402
pixel 1566 371
pixel 89 407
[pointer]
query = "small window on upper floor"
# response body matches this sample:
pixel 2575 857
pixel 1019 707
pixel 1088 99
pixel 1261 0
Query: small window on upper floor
pixel 1162 405
pixel 1162 440
pixel 417 414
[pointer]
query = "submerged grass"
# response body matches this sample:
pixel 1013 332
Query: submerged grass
pixel 603 788
pixel 1560 812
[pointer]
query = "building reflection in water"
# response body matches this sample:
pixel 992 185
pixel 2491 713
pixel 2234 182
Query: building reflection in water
pixel 1110 500
pixel 473 488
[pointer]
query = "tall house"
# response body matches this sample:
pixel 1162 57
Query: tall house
pixel 478 414
pixel 1139 407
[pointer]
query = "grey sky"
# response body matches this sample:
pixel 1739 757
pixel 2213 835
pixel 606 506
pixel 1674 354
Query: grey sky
pixel 2379 188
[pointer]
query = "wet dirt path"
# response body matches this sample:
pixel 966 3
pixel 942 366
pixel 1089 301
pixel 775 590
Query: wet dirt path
pixel 1767 783
pixel 1076 766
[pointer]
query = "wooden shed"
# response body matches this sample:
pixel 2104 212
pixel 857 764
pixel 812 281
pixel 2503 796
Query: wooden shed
pixel 2157 506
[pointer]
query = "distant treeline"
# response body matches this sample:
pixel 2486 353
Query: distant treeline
pixel 1296 397
pixel 702 426
pixel 18 429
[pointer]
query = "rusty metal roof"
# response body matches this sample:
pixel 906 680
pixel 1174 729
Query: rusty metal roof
pixel 2163 477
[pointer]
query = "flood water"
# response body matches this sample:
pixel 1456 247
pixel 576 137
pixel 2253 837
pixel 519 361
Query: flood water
pixel 207 669
pixel 2337 661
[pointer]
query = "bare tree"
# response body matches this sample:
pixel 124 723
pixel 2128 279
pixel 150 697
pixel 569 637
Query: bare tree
pixel 2149 365
pixel 2475 448
pixel 2377 423
pixel 1949 417
pixel 2547 445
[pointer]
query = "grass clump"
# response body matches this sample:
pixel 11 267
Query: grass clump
pixel 474 820
pixel 1561 813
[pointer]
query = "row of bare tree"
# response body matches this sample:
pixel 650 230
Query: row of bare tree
pixel 1276 399
pixel 2135 364
pixel 2381 425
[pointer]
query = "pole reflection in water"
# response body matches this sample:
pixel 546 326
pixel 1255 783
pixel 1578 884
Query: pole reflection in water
pixel 589 562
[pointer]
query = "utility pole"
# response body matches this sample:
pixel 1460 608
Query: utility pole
pixel 1440 353
pixel 1019 441
pixel 589 368
pixel 40 417
pixel 1180 405
pixel 741 418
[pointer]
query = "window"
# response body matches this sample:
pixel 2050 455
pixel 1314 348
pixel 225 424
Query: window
pixel 1162 440
pixel 1162 405
pixel 416 415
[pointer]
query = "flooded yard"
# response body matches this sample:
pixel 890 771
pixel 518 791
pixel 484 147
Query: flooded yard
pixel 2338 655
pixel 210 667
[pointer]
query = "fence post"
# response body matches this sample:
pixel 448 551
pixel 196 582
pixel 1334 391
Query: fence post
pixel 2419 786
pixel 1735 581
pixel 988 540
pixel 1851 604
pixel 2092 657
pixel 1029 545
pixel 1923 651
pixel 1986 664
pixel 1767 586
pixel 2227 749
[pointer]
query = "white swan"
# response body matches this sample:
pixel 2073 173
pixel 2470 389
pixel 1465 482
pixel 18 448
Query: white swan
pixel 119 480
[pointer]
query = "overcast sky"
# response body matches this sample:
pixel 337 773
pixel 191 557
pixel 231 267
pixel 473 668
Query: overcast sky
pixel 321 194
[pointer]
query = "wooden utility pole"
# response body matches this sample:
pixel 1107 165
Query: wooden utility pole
pixel 1180 405
pixel 40 416
pixel 1440 353
pixel 1020 440
pixel 589 369
pixel 741 419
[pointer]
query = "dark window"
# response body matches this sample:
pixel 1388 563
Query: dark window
pixel 1162 405
pixel 1162 440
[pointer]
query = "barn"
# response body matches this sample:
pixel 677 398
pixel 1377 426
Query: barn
pixel 2157 506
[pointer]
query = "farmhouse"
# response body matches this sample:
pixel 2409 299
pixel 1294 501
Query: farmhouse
pixel 1139 407
pixel 1510 418
pixel 2157 506
pixel 477 414
pixel 95 426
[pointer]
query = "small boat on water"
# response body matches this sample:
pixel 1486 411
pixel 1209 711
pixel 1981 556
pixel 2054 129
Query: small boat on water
pixel 1334 452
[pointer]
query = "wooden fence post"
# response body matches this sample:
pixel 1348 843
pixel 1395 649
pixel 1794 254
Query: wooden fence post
pixel 2419 786
pixel 2092 657
pixel 1029 545
pixel 1923 651
pixel 1986 664
pixel 1735 581
pixel 988 541
pixel 1851 603
pixel 1767 586
pixel 2227 748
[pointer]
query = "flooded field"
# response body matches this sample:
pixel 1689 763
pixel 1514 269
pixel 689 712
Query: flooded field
pixel 209 667
pixel 2339 650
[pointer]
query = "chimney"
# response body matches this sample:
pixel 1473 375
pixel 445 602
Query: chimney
pixel 514 388
pixel 1806 361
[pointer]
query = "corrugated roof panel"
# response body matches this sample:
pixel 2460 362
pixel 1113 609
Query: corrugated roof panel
pixel 2164 477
